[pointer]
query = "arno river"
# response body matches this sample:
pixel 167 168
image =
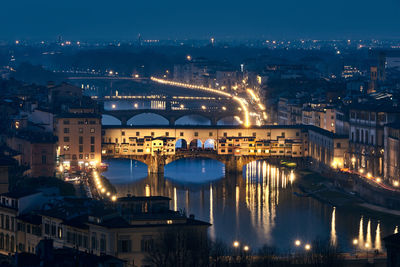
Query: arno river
pixel 261 206
pixel 256 208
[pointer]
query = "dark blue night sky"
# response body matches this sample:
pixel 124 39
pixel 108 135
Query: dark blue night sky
pixel 161 19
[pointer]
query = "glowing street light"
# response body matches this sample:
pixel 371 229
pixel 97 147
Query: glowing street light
pixel 114 198
pixel 203 107
pixel 246 248
pixel 355 241
pixel 297 243
pixel 236 244
pixel 307 247
pixel 396 183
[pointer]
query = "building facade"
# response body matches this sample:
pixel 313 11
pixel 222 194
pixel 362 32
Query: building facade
pixel 79 139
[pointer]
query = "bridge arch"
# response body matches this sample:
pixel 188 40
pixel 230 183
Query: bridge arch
pixel 181 144
pixel 110 120
pixel 192 119
pixel 210 144
pixel 195 144
pixel 148 118
pixel 228 120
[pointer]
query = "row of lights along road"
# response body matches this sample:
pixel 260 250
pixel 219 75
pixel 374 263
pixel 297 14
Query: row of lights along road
pixel 101 188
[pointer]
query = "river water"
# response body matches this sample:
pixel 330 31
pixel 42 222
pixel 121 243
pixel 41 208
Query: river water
pixel 259 207
pixel 256 208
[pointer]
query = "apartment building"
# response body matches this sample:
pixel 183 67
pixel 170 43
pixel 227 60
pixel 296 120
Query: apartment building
pixel 366 136
pixel 79 139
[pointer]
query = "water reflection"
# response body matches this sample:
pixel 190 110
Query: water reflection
pixel 262 206
pixel 333 228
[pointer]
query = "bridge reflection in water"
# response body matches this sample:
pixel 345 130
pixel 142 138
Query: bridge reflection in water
pixel 257 207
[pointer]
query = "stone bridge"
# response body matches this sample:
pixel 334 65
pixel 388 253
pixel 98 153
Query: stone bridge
pixel 172 115
pixel 233 164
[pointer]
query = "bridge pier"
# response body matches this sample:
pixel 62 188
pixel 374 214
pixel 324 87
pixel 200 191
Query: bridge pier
pixel 124 121
pixel 156 165
pixel 171 121
pixel 234 165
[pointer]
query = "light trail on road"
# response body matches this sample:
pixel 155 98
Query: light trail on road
pixel 239 100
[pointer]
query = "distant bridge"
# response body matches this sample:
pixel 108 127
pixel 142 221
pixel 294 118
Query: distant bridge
pixel 214 115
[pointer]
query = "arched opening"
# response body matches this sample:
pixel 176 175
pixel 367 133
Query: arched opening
pixel 148 119
pixel 210 144
pixel 231 120
pixel 193 120
pixel 195 170
pixel 109 120
pixel 124 171
pixel 181 144
pixel 195 144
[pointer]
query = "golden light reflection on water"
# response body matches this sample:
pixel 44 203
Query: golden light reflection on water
pixel 263 183
pixel 251 203
pixel 212 228
pixel 333 228
pixel 367 243
pixel 378 245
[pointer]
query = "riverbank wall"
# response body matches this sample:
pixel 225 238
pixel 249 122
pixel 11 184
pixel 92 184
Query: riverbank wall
pixel 367 190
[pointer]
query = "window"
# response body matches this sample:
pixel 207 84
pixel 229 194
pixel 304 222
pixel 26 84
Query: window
pixel 166 133
pixel 66 122
pixel 66 130
pixel 53 230
pixel 240 134
pixel 92 138
pixel 80 122
pixel 103 243
pixel 283 134
pixel 147 244
pixel 60 233
pixel 152 133
pixel 181 133
pixel 80 140
pixel 137 133
pixel 80 149
pixel 124 246
pixel 338 145
pixel 92 148
pixel 268 134
pixel 92 122
pixel 66 138
pixel 94 241
pixel 123 133
pixel 196 133
pixel 44 161
pixel 80 156
pixel 210 134
pixel 46 228
pixel 92 130
pixel 254 134
pixel 297 134
pixel 225 134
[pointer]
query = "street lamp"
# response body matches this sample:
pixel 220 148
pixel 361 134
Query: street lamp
pixel 297 243
pixel 307 247
pixel 246 248
pixel 236 244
